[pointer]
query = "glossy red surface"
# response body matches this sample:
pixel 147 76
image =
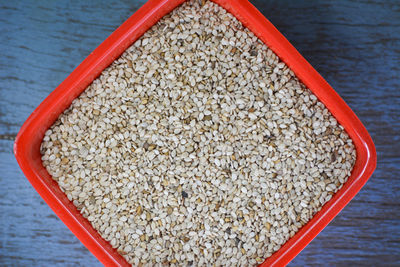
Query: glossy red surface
pixel 27 144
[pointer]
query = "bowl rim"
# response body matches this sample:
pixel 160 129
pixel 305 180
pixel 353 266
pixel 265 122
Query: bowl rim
pixel 28 140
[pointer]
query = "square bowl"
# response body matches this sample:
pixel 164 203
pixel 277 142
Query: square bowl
pixel 29 138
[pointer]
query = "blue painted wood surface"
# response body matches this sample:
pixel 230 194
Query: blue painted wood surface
pixel 355 45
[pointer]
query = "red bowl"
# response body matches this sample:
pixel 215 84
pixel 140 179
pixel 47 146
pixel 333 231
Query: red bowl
pixel 27 143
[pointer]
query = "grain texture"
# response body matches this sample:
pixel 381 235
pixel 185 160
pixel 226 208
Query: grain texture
pixel 354 45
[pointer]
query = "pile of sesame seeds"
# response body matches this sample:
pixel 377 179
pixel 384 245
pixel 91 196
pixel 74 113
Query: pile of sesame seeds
pixel 198 146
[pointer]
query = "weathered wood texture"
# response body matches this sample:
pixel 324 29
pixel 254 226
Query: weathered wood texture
pixel 355 45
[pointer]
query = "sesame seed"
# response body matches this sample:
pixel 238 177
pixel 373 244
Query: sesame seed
pixel 198 146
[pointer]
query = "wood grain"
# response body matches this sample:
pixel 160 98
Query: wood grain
pixel 355 45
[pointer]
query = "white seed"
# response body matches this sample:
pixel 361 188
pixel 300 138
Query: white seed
pixel 197 138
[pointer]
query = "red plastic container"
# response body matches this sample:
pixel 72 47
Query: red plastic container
pixel 27 144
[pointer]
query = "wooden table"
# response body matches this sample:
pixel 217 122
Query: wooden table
pixel 355 45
